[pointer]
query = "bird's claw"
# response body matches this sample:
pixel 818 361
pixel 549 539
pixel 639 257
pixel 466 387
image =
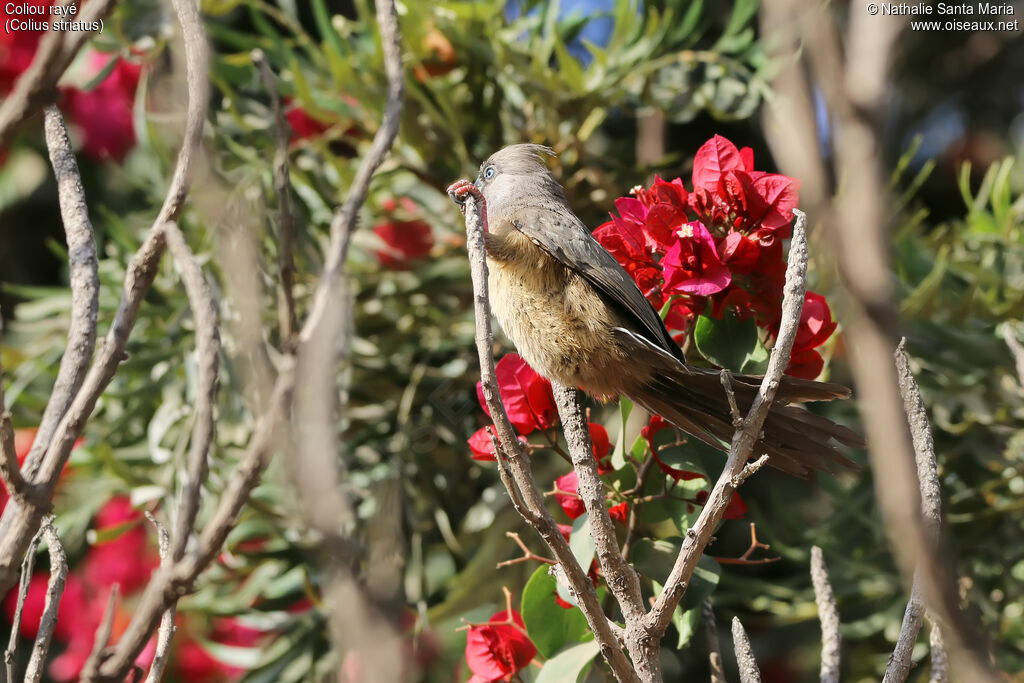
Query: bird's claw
pixel 460 189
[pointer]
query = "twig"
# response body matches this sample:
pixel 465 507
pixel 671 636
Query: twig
pixel 855 89
pixel 83 268
pixel 10 471
pixel 38 83
pixel 285 219
pixel 634 511
pixel 165 634
pixel 91 668
pixel 204 315
pixel 828 615
pixel 734 410
pixel 54 592
pixel 707 615
pixel 512 452
pixel 940 662
pixel 736 468
pixel 755 544
pixel 621 578
pixel 749 673
pixel 25 583
pixel 20 522
pixel 900 662
pixel 169 583
pixel 324 338
pixel 527 556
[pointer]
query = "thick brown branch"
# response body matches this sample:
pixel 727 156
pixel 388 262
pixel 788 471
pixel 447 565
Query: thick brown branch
pixel 83 269
pixel 517 460
pixel 20 521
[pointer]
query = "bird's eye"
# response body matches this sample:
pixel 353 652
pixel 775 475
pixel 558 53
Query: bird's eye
pixel 489 172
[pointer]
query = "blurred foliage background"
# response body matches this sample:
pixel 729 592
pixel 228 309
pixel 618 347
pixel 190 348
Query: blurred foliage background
pixel 588 78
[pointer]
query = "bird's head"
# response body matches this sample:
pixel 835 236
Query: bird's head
pixel 515 175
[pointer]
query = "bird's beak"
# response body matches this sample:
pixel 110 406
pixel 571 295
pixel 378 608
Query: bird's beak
pixel 479 183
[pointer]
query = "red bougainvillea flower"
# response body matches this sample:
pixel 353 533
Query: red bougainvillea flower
pixel 103 115
pixel 649 431
pixel 72 605
pixel 816 324
pixel 527 396
pixel 692 265
pixel 128 559
pixel 303 125
pixel 619 513
pixel 480 444
pixel 806 364
pixel 18 47
pixel 498 650
pixel 407 241
pixel 568 498
pixel 602 446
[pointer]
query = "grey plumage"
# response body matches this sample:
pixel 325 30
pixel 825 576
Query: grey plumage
pixel 577 317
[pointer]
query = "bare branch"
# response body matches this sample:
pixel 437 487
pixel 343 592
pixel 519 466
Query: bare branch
pixel 20 521
pixel 621 578
pixel 515 456
pixel 345 218
pixel 204 315
pixel 10 471
pixel 707 615
pixel 940 662
pixel 285 220
pixel 83 268
pixel 736 468
pixel 54 592
pixel 26 582
pixel 900 662
pixel 749 673
pixel 91 668
pixel 859 221
pixel 734 410
pixel 165 634
pixel 37 85
pixel 169 583
pixel 828 614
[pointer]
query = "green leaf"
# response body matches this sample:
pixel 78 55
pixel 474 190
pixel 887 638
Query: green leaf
pixel 549 625
pixel 727 342
pixel 569 665
pixel 756 362
pixel 581 542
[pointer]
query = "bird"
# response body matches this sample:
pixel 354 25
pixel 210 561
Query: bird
pixel 577 318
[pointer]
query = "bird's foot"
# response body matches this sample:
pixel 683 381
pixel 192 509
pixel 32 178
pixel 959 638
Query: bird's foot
pixel 460 189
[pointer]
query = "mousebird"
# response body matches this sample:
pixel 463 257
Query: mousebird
pixel 578 318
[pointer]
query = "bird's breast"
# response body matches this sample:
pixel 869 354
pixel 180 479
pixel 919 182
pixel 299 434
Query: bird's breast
pixel 558 322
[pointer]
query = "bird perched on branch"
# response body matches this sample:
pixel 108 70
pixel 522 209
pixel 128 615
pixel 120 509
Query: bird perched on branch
pixel 578 318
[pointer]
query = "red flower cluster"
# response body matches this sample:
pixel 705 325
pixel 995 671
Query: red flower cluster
pixel 499 649
pixel 527 396
pixel 127 560
pixel 716 247
pixel 103 115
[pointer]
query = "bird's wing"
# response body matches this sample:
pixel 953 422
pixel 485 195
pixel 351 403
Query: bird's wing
pixel 566 239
